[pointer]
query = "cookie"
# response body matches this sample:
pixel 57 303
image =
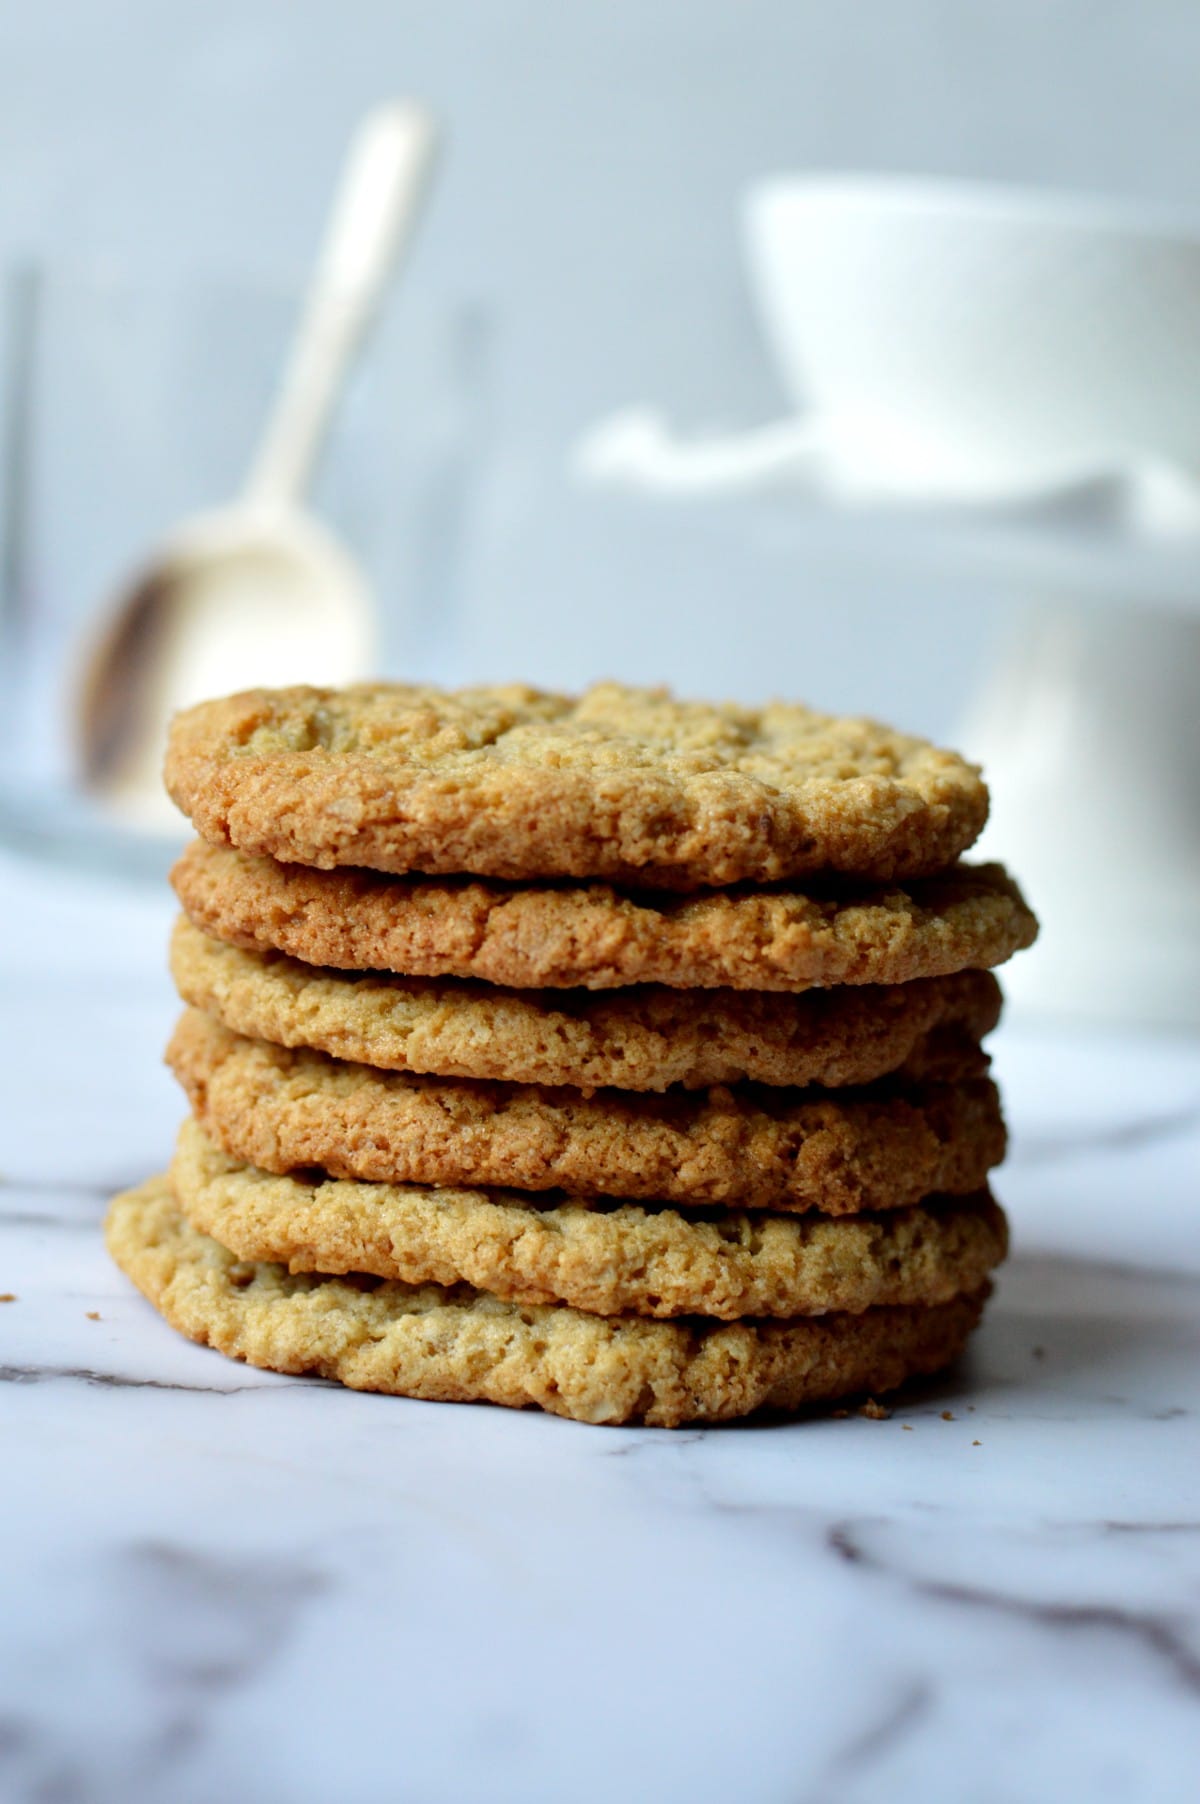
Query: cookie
pixel 755 1148
pixel 627 784
pixel 602 1257
pixel 645 1038
pixel 592 937
pixel 460 1345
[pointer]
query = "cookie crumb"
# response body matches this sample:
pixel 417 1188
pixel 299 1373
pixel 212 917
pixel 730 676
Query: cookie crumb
pixel 875 1412
pixel 977 1443
pixel 93 1315
pixel 947 1415
pixel 8 1296
pixel 907 1427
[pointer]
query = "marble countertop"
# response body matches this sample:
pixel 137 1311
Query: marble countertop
pixel 220 1583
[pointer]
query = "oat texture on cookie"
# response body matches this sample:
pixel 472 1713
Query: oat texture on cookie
pixel 457 1344
pixel 614 1055
pixel 643 1038
pixel 628 784
pixel 590 936
pixel 600 1256
pixel 750 1147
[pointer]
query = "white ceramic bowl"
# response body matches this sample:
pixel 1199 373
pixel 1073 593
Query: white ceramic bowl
pixel 999 331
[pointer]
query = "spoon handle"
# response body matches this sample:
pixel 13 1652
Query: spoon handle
pixel 373 216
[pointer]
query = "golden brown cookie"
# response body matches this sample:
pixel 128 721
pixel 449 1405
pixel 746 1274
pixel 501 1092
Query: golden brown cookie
pixel 591 937
pixel 461 1345
pixel 628 784
pixel 755 1148
pixel 602 1257
pixel 638 1039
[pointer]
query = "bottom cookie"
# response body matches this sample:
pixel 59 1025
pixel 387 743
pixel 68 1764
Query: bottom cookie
pixel 463 1345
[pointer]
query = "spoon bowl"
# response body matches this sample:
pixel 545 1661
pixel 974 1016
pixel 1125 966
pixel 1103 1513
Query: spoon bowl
pixel 237 598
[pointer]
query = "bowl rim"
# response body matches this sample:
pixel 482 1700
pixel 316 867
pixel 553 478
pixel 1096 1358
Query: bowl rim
pixel 949 199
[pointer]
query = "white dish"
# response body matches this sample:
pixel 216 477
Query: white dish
pixel 996 337
pixel 1014 380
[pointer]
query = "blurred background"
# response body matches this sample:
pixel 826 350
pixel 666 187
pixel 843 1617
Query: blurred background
pixel 587 207
pixel 168 171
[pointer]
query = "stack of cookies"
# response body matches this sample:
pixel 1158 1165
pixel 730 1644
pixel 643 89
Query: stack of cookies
pixel 617 1055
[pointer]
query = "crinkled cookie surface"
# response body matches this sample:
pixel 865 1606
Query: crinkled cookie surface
pixel 627 784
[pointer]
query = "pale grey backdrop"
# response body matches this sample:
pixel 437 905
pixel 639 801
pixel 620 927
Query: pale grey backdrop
pixel 587 213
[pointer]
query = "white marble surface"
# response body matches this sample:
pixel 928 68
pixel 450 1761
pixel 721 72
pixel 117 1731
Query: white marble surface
pixel 219 1583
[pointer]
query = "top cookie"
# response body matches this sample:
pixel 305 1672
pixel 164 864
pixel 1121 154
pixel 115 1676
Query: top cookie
pixel 626 784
